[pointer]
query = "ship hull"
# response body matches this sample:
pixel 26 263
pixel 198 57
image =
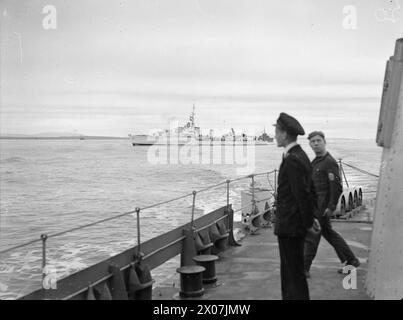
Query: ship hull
pixel 149 141
pixel 204 143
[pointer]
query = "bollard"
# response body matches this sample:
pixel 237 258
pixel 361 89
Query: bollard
pixel 208 262
pixel 191 280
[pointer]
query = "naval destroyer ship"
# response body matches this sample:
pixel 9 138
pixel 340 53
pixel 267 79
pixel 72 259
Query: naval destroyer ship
pixel 191 134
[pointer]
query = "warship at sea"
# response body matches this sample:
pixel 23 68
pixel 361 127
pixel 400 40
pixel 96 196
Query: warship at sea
pixel 190 134
pixel 223 260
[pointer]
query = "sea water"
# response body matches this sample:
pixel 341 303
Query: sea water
pixel 48 186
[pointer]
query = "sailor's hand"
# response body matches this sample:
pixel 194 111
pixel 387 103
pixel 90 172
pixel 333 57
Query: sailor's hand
pixel 316 225
pixel 328 213
pixel 315 229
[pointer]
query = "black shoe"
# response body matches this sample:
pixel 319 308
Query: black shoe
pixel 355 263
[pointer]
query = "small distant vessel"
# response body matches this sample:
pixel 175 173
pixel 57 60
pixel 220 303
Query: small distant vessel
pixel 191 134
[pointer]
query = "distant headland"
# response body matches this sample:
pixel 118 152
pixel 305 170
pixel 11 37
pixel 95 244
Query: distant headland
pixel 57 136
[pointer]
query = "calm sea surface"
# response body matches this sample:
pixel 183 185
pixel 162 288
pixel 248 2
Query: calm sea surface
pixel 47 186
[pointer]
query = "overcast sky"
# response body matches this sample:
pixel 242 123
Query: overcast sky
pixel 119 67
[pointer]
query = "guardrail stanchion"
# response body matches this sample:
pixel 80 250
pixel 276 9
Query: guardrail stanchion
pixel 229 220
pixel 253 194
pixel 44 237
pixel 342 173
pixel 254 211
pixel 189 247
pixel 228 182
pixel 193 208
pixel 138 233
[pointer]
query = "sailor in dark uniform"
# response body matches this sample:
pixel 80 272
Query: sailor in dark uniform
pixel 328 187
pixel 295 207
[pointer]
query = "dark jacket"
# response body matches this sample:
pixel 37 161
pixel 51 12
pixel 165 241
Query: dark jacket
pixel 327 182
pixel 295 195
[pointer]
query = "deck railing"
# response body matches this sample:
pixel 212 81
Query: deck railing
pixel 44 238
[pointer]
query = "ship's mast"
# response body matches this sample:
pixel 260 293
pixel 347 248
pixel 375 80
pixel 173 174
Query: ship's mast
pixel 192 117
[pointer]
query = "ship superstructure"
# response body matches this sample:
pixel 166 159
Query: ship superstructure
pixel 190 133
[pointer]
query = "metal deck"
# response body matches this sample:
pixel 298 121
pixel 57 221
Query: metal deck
pixel 252 271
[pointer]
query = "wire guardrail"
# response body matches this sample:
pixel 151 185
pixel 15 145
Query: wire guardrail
pixel 343 174
pixel 44 237
pixel 212 187
pixel 360 170
pixel 169 201
pixel 243 208
pixel 130 212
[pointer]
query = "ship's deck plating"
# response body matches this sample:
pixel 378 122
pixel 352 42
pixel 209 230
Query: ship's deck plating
pixel 252 271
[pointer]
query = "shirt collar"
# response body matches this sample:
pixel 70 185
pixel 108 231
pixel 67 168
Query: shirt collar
pixel 321 157
pixel 288 148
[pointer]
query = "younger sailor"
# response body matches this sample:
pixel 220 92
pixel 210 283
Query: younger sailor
pixel 328 187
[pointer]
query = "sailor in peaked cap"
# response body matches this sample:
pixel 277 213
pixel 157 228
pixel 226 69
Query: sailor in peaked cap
pixel 295 207
pixel 289 124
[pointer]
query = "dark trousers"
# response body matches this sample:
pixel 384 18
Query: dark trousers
pixel 342 249
pixel 293 280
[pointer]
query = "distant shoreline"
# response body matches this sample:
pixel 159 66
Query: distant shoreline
pixel 65 138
